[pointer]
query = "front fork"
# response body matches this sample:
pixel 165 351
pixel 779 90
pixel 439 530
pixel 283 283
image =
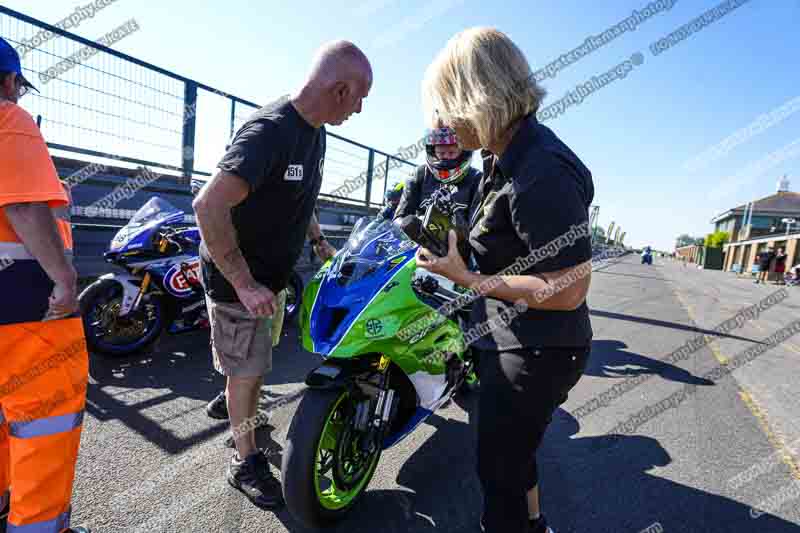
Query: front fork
pixel 142 290
pixel 375 411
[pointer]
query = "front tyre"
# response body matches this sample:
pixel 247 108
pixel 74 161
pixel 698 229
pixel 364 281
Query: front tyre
pixel 108 333
pixel 327 464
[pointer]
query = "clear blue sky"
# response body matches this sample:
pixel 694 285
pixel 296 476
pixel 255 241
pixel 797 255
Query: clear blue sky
pixel 635 134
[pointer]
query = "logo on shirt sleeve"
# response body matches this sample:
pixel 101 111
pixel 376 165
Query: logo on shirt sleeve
pixel 294 173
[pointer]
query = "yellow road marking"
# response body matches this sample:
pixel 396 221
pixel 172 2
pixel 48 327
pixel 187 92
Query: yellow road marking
pixel 712 344
pixel 793 347
pixel 717 352
pixel 775 438
pixel 773 435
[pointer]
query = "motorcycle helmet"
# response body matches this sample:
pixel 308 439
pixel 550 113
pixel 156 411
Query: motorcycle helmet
pixel 394 193
pixel 446 171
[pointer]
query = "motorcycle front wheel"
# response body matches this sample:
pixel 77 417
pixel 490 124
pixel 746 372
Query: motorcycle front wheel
pixel 325 467
pixel 109 334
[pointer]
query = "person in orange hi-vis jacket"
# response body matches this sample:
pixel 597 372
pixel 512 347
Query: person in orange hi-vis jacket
pixel 45 365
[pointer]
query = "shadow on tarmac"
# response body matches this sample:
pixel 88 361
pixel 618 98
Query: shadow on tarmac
pixel 599 271
pixel 600 484
pixel 186 374
pixel 589 484
pixel 665 324
pixel 610 359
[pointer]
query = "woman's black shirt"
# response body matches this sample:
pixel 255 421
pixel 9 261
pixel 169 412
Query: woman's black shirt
pixel 531 215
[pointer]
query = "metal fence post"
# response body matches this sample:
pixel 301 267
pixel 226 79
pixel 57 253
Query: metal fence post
pixel 386 179
pixel 189 123
pixel 233 117
pixel 370 166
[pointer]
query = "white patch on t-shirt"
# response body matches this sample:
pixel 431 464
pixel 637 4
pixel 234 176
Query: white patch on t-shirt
pixel 294 173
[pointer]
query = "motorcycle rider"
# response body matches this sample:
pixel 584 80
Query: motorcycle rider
pixel 446 165
pixel 393 195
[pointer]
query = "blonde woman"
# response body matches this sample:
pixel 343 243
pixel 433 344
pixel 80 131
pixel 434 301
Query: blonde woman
pixel 530 239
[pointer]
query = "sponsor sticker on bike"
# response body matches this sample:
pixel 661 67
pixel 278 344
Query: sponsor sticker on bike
pixel 175 281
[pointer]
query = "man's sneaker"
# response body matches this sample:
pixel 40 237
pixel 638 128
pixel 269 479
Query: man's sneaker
pixel 262 420
pixel 254 478
pixel 540 525
pixel 218 407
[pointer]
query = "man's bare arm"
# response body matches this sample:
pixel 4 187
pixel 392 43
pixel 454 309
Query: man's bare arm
pixel 325 249
pixel 36 227
pixel 314 231
pixel 213 210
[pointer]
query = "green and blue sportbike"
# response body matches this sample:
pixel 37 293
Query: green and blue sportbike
pixel 390 359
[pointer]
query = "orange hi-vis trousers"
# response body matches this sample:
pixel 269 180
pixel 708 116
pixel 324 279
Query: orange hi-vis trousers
pixel 44 369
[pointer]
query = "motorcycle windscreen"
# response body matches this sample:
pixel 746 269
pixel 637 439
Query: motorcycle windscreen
pixel 136 233
pixel 364 266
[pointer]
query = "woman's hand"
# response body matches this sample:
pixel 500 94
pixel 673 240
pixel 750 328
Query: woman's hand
pixel 452 267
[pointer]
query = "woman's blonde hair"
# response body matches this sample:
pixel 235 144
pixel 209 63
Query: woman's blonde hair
pixel 480 80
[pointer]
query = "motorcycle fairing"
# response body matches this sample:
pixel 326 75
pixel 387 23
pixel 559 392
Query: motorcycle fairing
pixel 337 309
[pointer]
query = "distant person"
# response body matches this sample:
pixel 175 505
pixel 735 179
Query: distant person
pixel 764 260
pixel 446 165
pixel 392 200
pixel 780 266
pixel 254 217
pixel 795 275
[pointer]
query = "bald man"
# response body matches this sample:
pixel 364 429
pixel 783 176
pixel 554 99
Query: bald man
pixel 254 216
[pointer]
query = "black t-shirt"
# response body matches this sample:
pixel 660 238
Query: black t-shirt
pixel 535 193
pixel 765 258
pixel 420 187
pixel 280 155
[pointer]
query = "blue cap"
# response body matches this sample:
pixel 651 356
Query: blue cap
pixel 9 62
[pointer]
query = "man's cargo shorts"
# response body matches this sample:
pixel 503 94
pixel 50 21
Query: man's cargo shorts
pixel 241 344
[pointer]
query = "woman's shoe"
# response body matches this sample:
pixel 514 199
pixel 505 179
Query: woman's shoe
pixel 536 526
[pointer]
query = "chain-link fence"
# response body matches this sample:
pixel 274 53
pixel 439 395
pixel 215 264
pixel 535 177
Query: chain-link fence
pixel 108 106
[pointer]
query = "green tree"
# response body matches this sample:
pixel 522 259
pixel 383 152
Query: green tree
pixel 716 239
pixel 684 240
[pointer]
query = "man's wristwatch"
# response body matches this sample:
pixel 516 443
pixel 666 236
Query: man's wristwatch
pixel 318 240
